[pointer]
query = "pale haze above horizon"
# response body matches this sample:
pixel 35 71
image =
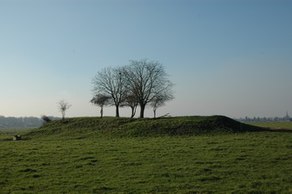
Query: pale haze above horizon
pixel 225 57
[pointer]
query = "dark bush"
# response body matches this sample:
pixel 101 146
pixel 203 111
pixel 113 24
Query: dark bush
pixel 46 119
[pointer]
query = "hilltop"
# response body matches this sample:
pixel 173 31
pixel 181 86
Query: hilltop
pixel 126 127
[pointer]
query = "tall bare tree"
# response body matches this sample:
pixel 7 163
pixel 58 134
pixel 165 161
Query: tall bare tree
pixel 111 81
pixel 101 100
pixel 146 79
pixel 63 107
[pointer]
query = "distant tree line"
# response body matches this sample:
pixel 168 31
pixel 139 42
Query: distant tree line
pixel 266 119
pixel 141 83
pixel 19 122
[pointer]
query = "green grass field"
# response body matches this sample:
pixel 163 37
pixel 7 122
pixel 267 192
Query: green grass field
pixel 86 159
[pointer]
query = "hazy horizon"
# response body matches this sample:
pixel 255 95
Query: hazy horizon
pixel 225 57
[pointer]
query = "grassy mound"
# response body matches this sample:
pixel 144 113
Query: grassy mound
pixel 125 127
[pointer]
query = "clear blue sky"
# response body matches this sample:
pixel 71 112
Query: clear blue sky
pixel 228 57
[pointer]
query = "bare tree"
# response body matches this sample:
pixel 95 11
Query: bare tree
pixel 101 100
pixel 131 101
pixel 159 100
pixel 111 81
pixel 146 79
pixel 63 107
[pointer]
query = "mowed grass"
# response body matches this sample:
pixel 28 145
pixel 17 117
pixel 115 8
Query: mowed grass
pixel 253 162
pixel 273 125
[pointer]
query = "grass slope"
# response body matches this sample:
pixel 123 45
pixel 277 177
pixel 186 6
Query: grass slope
pixel 125 127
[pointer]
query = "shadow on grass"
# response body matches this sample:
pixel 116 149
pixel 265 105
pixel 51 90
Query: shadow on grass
pixel 279 130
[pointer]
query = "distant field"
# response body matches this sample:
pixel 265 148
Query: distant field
pixel 246 162
pixel 14 131
pixel 273 125
pixel 4 136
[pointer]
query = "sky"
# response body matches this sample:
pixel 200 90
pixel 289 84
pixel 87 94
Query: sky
pixel 225 57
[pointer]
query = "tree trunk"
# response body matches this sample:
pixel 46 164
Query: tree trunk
pixel 133 108
pixel 154 111
pixel 142 106
pixel 132 115
pixel 117 111
pixel 101 112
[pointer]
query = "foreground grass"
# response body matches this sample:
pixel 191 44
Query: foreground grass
pixel 258 162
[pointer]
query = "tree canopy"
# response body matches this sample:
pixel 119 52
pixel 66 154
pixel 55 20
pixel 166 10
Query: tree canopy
pixel 139 83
